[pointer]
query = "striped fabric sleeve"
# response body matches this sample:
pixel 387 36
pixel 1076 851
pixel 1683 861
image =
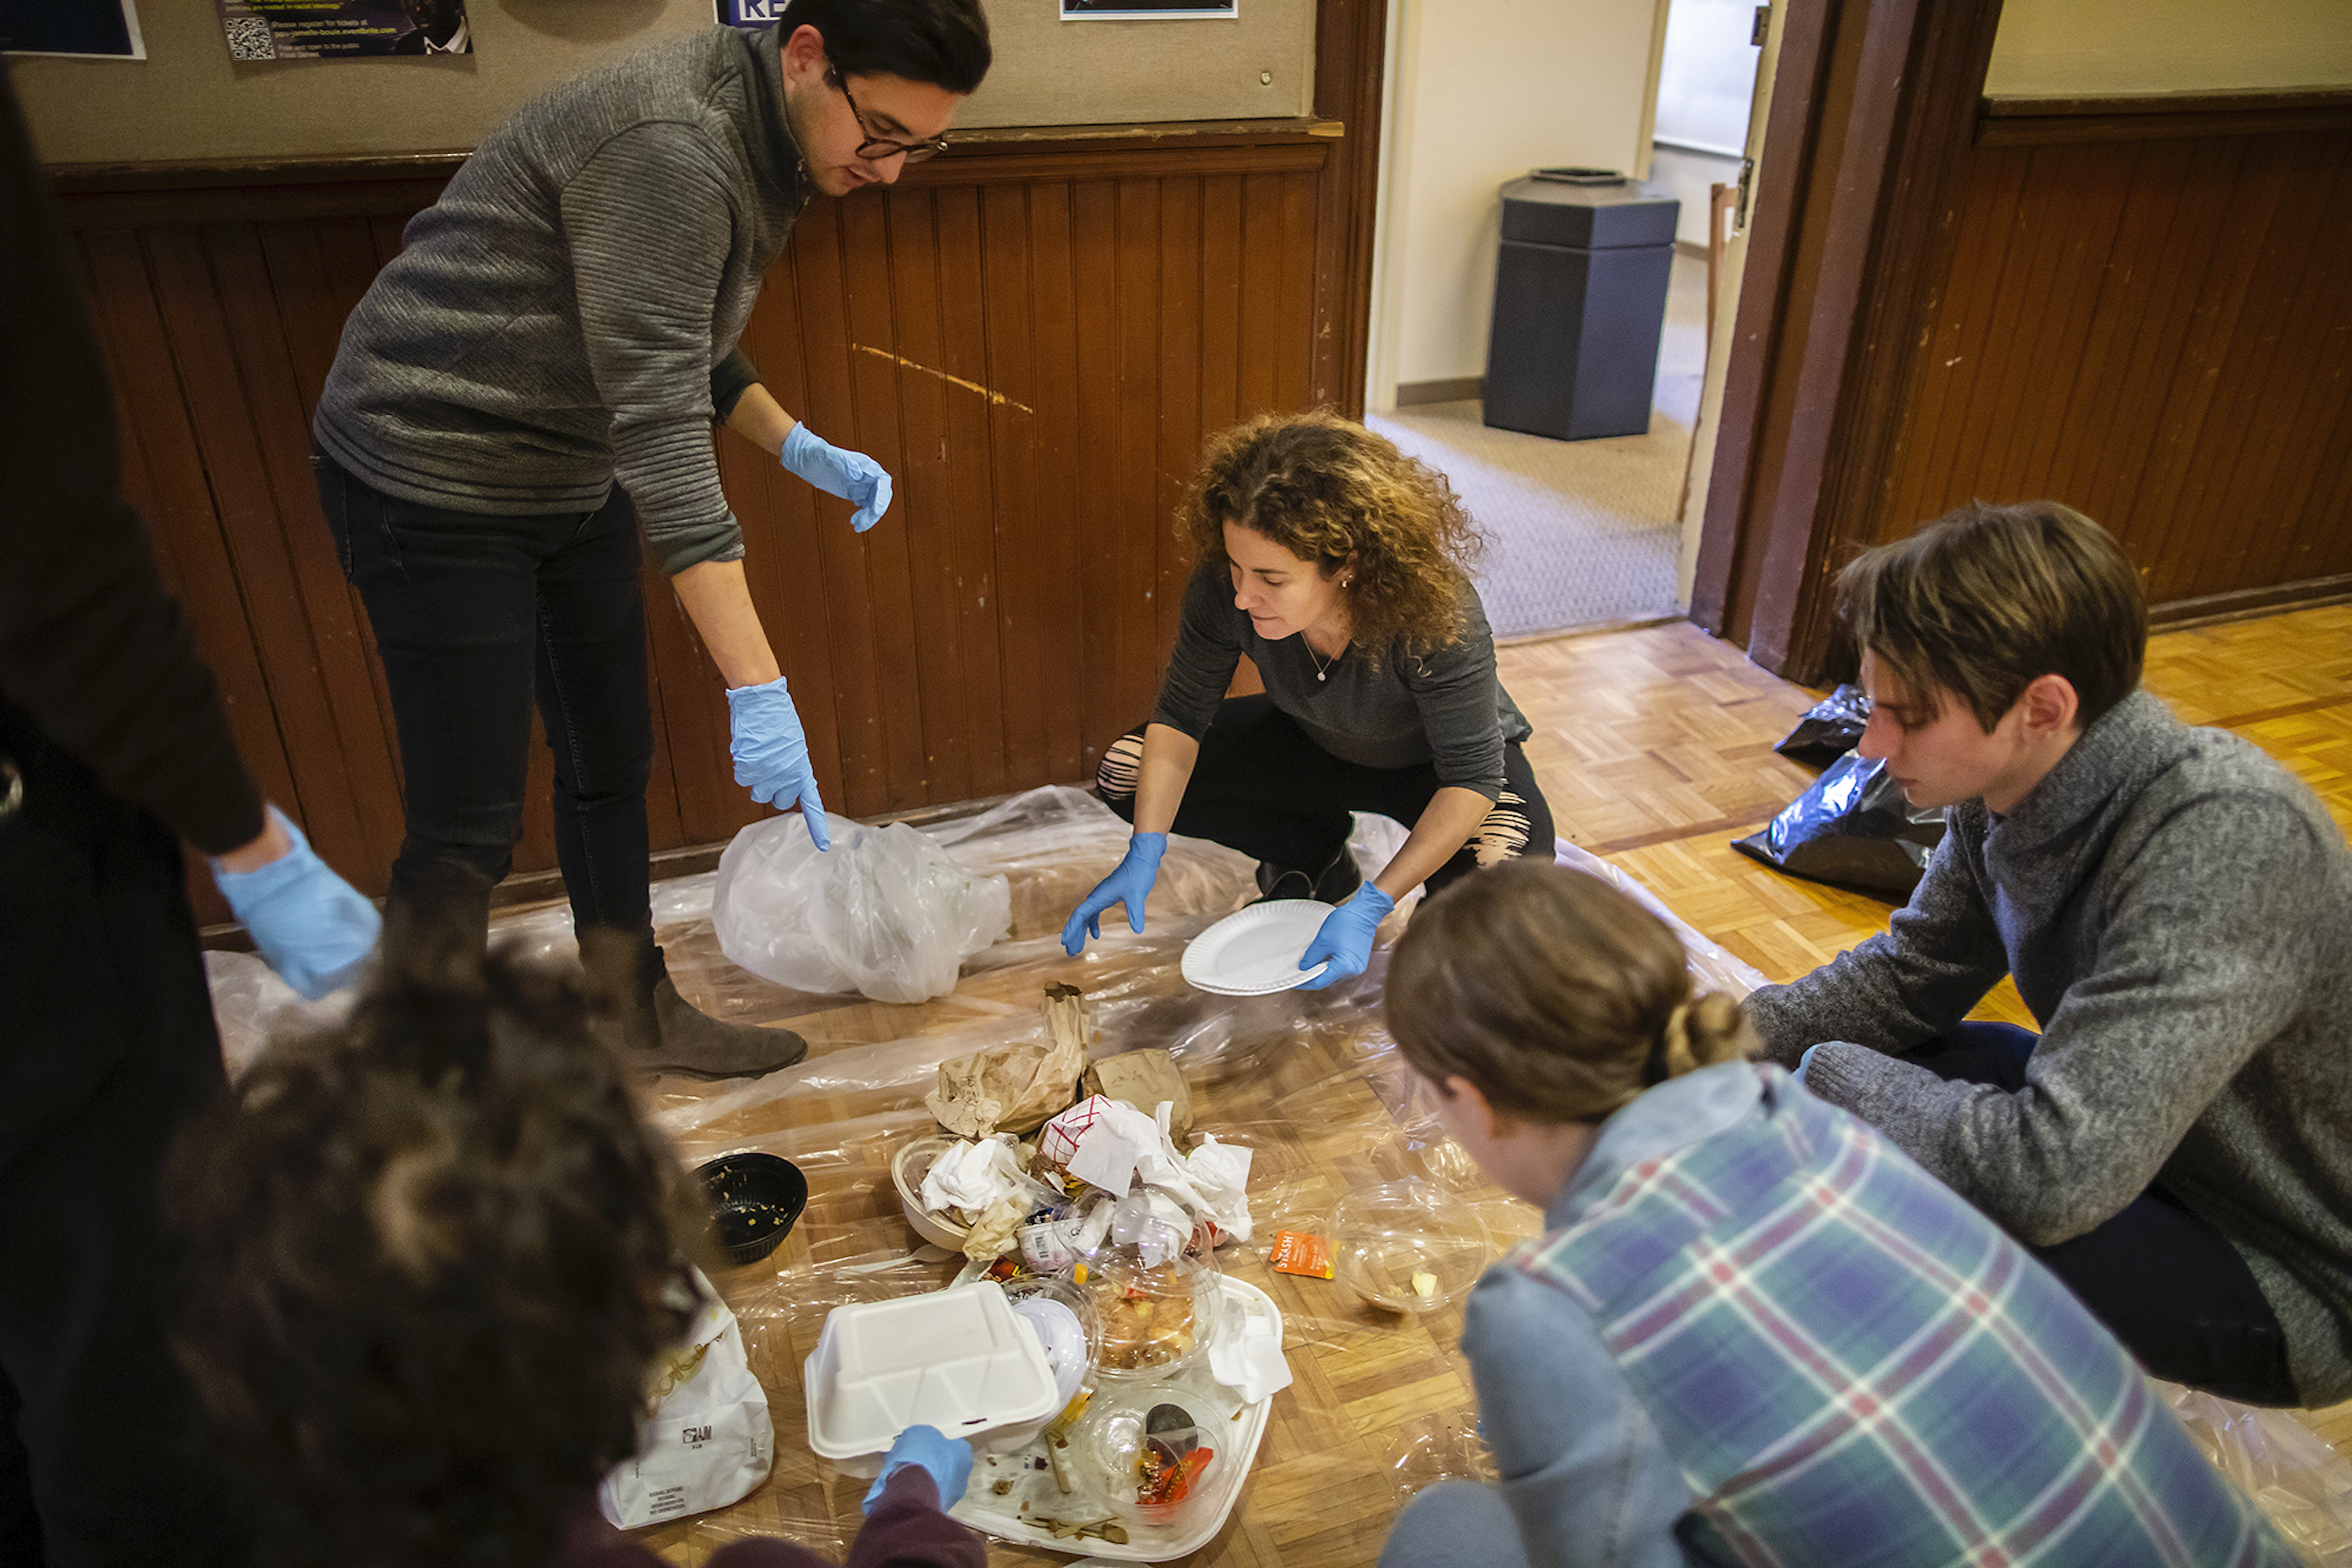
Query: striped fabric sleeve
pixel 648 219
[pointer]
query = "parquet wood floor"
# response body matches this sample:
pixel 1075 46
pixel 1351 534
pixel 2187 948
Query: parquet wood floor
pixel 1654 746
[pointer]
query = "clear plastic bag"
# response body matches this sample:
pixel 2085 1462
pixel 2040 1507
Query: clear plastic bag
pixel 885 912
pixel 2305 1486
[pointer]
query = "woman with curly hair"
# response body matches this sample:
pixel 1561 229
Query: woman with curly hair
pixel 435 1259
pixel 1339 567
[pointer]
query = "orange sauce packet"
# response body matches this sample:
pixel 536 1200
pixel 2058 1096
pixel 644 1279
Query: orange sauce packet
pixel 1296 1252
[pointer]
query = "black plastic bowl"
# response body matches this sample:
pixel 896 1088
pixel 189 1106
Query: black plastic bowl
pixel 754 1201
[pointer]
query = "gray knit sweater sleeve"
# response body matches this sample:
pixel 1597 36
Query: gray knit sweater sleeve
pixel 644 216
pixel 1935 960
pixel 2192 973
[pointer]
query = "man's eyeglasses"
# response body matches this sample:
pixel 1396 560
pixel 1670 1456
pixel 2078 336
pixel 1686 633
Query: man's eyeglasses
pixel 874 149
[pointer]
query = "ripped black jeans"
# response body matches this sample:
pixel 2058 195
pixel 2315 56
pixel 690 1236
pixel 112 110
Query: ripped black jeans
pixel 1262 786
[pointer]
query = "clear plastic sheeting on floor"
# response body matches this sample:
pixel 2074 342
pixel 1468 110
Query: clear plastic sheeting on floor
pixel 1308 1080
pixel 251 1004
pixel 2287 1469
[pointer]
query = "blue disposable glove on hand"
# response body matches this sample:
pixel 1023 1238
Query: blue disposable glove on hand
pixel 1345 940
pixel 311 925
pixel 1807 1060
pixel 1130 885
pixel 947 1460
pixel 837 471
pixel 771 755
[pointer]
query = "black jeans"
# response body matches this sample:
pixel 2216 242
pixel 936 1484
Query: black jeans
pixel 477 615
pixel 107 1049
pixel 1264 787
pixel 2167 1284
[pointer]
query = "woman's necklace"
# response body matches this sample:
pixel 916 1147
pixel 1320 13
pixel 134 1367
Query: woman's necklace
pixel 1322 666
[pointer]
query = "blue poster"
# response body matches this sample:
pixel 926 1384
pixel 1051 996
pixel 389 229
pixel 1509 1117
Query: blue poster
pixel 749 13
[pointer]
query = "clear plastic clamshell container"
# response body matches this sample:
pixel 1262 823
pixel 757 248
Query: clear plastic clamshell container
pixel 958 1360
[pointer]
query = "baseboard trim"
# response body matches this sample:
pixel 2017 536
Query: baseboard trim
pixel 1453 389
pixel 2244 601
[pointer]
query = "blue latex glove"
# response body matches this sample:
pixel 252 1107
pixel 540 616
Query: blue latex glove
pixel 947 1460
pixel 311 925
pixel 1345 940
pixel 837 471
pixel 1807 1060
pixel 1130 885
pixel 771 754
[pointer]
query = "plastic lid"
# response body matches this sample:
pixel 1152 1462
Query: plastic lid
pixel 958 1360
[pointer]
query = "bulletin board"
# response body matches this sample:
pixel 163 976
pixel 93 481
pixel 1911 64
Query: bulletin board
pixel 188 101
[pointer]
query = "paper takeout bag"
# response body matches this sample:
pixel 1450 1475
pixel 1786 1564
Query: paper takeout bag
pixel 1015 1087
pixel 708 1440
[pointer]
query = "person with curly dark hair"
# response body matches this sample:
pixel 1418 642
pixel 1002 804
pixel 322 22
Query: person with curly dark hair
pixel 1340 567
pixel 435 1256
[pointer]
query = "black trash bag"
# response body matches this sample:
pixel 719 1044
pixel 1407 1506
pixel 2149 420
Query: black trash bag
pixel 1829 730
pixel 1854 829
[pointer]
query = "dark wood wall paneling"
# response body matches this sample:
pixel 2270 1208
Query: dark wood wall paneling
pixel 2140 306
pixel 1034 336
pixel 2148 316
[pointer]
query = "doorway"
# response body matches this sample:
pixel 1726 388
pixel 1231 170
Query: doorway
pixel 1583 532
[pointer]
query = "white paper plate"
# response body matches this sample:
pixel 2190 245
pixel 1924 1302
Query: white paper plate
pixel 1256 952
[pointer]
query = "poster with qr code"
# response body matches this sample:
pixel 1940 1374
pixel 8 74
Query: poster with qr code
pixel 343 30
pixel 86 29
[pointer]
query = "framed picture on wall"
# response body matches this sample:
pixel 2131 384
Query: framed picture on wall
pixel 343 30
pixel 88 29
pixel 1148 10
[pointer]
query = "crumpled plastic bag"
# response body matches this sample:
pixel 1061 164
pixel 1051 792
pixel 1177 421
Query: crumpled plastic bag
pixel 1854 829
pixel 885 912
pixel 1829 728
pixel 2289 1472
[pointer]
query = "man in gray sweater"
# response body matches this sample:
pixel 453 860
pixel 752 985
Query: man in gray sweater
pixel 2177 1142
pixel 535 374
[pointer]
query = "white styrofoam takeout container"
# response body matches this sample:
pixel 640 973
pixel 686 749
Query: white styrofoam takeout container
pixel 958 1360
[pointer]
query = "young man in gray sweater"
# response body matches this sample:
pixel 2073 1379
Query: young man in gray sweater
pixel 535 374
pixel 2176 909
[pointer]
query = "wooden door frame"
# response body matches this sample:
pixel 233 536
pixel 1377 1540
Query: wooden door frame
pixel 1866 144
pixel 1350 64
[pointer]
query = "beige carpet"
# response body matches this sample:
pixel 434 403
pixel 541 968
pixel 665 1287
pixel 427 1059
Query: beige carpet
pixel 1579 532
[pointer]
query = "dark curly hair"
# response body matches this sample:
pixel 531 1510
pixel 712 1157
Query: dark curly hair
pixel 1326 488
pixel 432 1256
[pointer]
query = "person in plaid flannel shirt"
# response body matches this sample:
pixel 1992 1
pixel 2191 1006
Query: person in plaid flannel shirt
pixel 1753 1329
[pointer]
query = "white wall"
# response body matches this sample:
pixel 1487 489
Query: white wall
pixel 2098 48
pixel 1707 73
pixel 1485 90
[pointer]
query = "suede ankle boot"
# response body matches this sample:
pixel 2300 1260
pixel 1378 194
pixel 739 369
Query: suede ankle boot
pixel 663 1032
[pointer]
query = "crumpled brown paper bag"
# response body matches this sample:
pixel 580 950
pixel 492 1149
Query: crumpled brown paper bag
pixel 1016 1088
pixel 1142 1078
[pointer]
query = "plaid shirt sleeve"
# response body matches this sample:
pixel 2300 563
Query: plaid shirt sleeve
pixel 1596 1488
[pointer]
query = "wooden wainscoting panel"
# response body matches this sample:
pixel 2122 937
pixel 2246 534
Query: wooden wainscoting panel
pixel 1035 343
pixel 2158 332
